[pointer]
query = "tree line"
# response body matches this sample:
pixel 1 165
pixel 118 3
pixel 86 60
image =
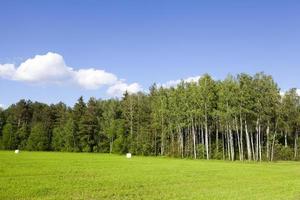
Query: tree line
pixel 242 117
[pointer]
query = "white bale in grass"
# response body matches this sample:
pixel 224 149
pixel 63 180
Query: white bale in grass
pixel 128 155
pixel 17 151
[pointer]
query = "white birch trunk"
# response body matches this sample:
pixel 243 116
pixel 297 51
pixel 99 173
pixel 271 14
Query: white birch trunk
pixel 231 144
pixel 285 140
pixel 241 138
pixel 202 141
pixel 194 140
pixel 257 140
pixel 206 137
pixel 248 142
pixel 268 145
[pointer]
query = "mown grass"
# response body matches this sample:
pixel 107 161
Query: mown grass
pixel 49 175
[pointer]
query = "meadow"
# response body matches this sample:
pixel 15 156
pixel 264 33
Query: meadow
pixel 52 175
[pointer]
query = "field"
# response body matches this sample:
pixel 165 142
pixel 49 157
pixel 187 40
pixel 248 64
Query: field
pixel 49 175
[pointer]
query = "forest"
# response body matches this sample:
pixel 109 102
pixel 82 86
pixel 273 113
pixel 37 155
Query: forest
pixel 243 117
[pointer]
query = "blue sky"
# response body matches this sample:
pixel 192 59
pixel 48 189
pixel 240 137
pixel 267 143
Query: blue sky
pixel 141 42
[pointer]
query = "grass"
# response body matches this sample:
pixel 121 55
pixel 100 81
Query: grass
pixel 49 175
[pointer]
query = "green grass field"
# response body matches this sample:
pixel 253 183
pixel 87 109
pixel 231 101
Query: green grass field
pixel 49 175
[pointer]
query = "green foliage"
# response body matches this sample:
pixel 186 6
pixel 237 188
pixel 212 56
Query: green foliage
pixel 200 151
pixel 58 141
pixel 89 127
pixel 22 136
pixel 283 153
pixel 38 139
pixel 237 118
pixel 8 137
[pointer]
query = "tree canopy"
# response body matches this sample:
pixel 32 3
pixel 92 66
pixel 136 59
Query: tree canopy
pixel 242 117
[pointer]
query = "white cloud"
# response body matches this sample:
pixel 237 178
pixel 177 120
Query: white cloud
pixel 282 93
pixel 93 79
pixel 40 69
pixel 174 83
pixel 171 83
pixel 120 87
pixel 7 71
pixel 43 68
pixel 2 106
pixel 192 79
pixel 51 68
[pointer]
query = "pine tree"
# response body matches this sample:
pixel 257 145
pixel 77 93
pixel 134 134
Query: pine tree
pixel 89 127
pixel 78 111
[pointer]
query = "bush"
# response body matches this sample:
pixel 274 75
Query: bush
pixel 201 151
pixel 283 153
pixel 1 145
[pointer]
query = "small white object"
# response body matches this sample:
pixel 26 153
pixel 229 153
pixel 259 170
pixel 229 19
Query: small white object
pixel 17 151
pixel 128 155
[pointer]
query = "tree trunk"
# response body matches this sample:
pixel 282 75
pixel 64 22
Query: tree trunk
pixel 223 143
pixel 111 145
pixel 259 142
pixel 231 144
pixel 228 142
pixel 248 142
pixel 217 139
pixel 131 119
pixel 172 151
pixel 296 145
pixel 155 142
pixel 268 145
pixel 239 147
pixel 181 143
pixel 162 147
pixel 206 137
pixel 273 146
pixel 209 142
pixel 238 137
pixel 241 138
pixel 194 140
pixel 228 146
pixel 252 146
pixel 285 140
pixel 202 142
